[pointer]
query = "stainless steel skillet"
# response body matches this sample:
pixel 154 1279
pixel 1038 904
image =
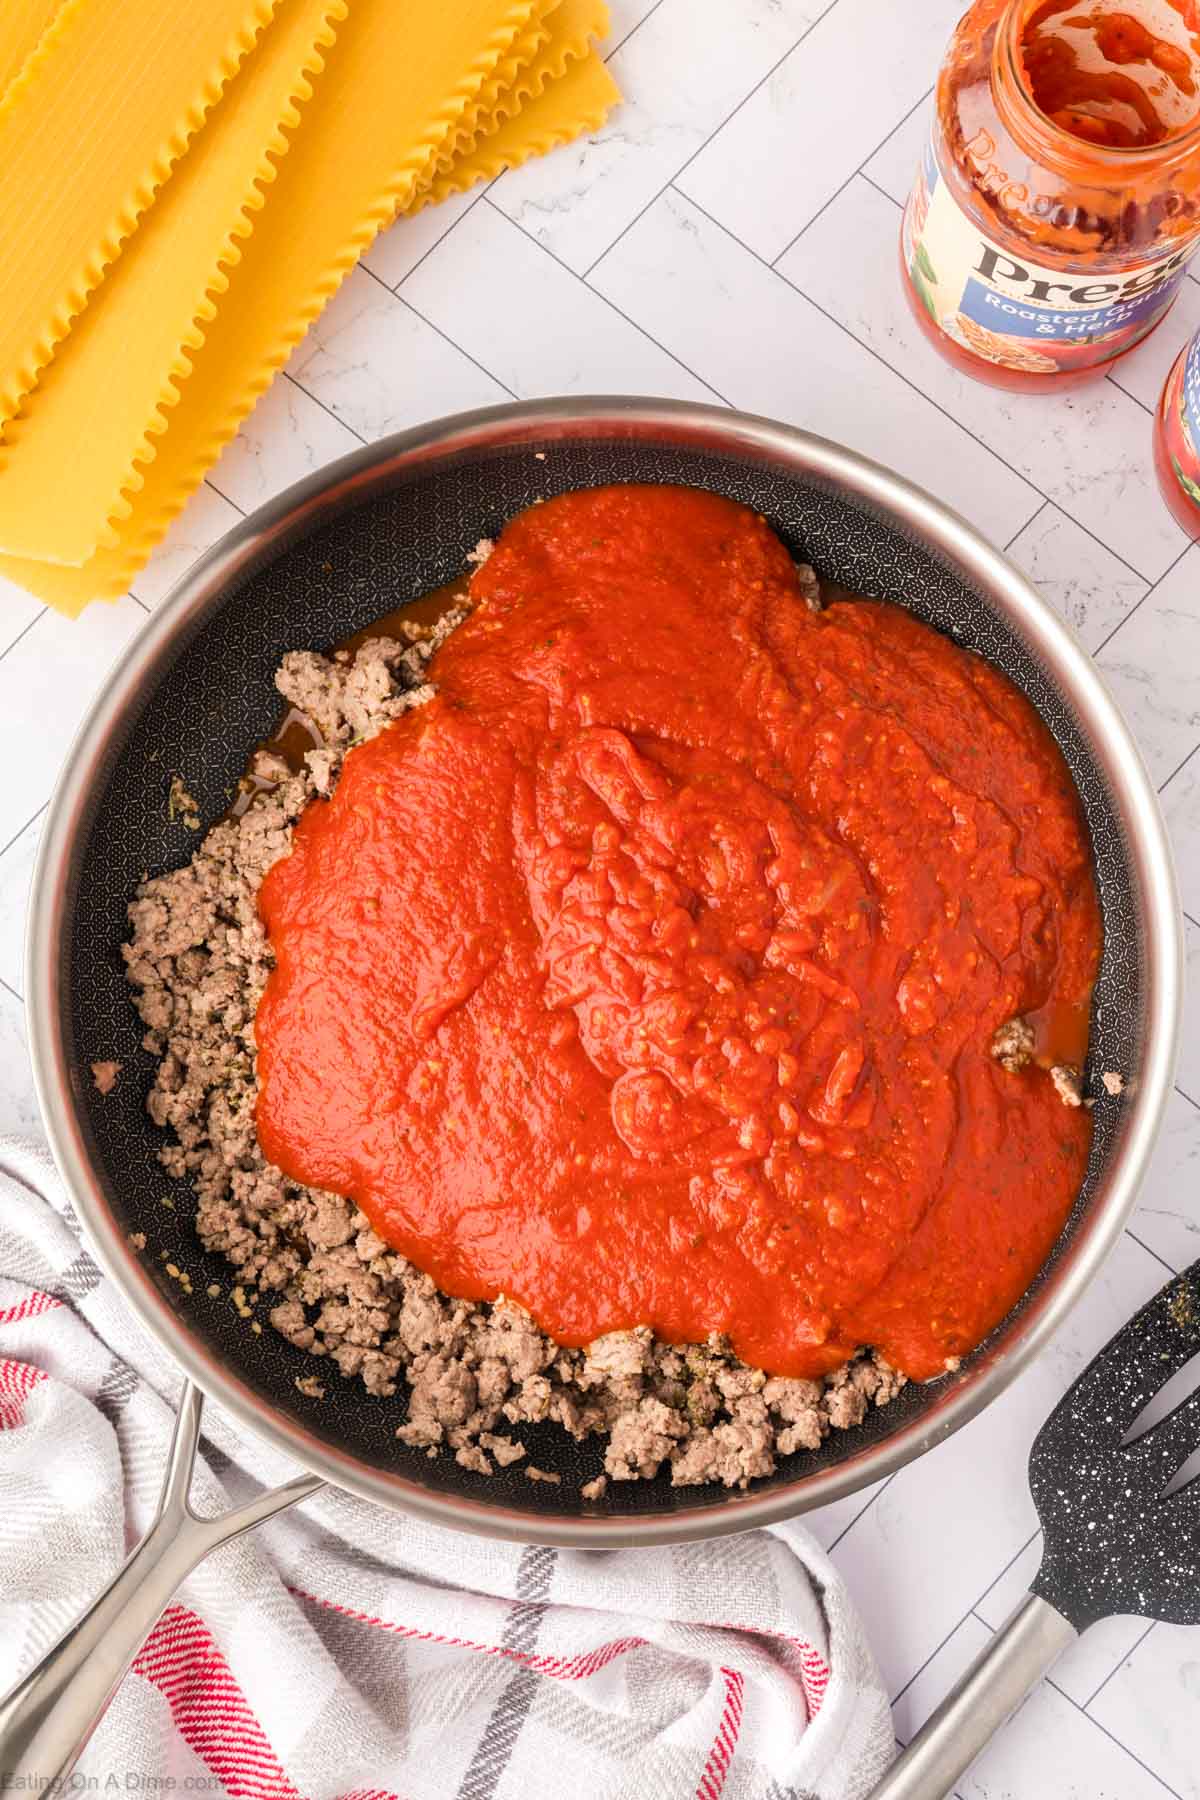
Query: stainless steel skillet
pixel 343 547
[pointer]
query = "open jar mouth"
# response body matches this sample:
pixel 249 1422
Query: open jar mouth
pixel 1058 147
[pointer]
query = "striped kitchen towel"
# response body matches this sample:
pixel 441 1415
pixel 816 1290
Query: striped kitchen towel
pixel 342 1650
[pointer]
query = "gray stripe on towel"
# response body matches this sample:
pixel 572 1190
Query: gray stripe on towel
pixel 495 1747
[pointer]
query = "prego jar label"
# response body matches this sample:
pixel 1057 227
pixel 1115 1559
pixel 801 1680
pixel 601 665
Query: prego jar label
pixel 1017 313
pixel 1179 427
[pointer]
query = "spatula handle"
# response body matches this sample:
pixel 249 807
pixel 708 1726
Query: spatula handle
pixel 1023 1649
pixel 47 1719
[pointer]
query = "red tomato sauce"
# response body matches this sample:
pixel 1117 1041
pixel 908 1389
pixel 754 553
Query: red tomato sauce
pixel 648 974
pixel 1122 78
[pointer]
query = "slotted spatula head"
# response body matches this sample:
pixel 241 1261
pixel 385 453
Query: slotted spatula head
pixel 1114 1541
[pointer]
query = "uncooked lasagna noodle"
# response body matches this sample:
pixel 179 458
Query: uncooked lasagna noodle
pixel 112 94
pixel 568 33
pixel 22 23
pixel 152 310
pixel 575 100
pixel 348 168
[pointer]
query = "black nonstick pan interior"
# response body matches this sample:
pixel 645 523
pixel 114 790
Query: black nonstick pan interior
pixel 200 717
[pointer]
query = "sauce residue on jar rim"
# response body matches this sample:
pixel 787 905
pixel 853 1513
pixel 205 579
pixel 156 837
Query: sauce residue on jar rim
pixel 1116 77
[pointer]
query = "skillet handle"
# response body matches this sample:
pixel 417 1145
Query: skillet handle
pixel 1028 1644
pixel 48 1717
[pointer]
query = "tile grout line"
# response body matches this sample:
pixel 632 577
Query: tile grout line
pixel 1183 1095
pixel 861 1513
pixel 1131 1652
pixel 1112 379
pixel 1169 1267
pixel 225 497
pixel 453 226
pixel 5 848
pixel 1031 520
pixel 1014 1558
pixel 611 304
pixel 1138 604
pixel 220 492
pixel 935 1652
pixel 1178 769
pixel 447 339
pixel 970 1613
pixel 826 204
pixel 938 407
pixel 1113 1739
pixel 10 989
pixel 715 132
pixel 300 388
pixel 436 329
pixel 24 632
pixel 633 31
pixel 882 192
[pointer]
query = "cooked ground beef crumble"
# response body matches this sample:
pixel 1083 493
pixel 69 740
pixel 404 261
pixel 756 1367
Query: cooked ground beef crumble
pixel 198 961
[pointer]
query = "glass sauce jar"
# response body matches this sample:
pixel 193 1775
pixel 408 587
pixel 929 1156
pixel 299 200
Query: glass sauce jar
pixel 1177 439
pixel 1059 198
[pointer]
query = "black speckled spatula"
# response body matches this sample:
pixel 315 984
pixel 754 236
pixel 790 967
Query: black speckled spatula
pixel 1115 1540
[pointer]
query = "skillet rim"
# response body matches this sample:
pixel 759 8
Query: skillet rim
pixel 741 436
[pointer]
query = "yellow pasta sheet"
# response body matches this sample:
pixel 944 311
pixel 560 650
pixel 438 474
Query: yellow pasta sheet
pixel 89 130
pixel 374 137
pixel 506 78
pixel 575 97
pixel 149 314
pixel 566 32
pixel 399 80
pixel 22 23
pixel 167 284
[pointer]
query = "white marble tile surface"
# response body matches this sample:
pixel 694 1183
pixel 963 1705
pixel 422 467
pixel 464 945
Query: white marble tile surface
pixel 688 282
pixel 287 436
pixel 396 252
pixel 1152 1704
pixel 641 262
pixel 1144 370
pixel 16 872
pixel 1054 1748
pixel 1088 450
pixel 18 610
pixel 1085 583
pixel 917 1699
pixel 688 68
pixel 18 1104
pixel 1167 1219
pixel 1160 693
pixel 1181 808
pixel 208 517
pixel 378 366
pixel 829 1524
pixel 897 159
pixel 1189 1048
pixel 788 150
pixel 528 319
pixel 47 679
